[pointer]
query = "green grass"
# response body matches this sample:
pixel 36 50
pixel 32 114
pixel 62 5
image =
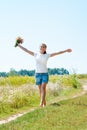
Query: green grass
pixel 66 80
pixel 16 80
pixel 64 115
pixel 15 99
pixel 25 98
pixel 82 76
pixel 63 80
pixel 18 93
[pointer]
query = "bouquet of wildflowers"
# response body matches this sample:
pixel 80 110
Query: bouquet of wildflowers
pixel 19 40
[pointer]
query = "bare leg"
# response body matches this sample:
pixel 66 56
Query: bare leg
pixel 44 94
pixel 42 89
pixel 40 95
pixel 39 86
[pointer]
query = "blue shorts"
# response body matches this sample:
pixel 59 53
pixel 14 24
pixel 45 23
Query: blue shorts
pixel 41 78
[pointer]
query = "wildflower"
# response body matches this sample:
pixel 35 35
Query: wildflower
pixel 19 40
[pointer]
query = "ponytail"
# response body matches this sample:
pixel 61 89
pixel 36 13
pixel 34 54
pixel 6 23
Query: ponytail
pixel 44 52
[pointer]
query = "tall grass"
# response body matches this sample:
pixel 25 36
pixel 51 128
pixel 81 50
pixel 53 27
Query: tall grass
pixel 16 80
pixel 82 76
pixel 66 80
pixel 63 80
pixel 18 92
pixel 15 98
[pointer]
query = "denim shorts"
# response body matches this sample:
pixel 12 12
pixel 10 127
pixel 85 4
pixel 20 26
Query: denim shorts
pixel 41 78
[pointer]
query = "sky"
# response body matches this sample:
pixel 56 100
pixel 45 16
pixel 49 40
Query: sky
pixel 61 24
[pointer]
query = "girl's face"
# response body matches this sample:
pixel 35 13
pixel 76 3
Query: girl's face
pixel 43 48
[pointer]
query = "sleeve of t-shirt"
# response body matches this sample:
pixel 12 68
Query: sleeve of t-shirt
pixel 48 55
pixel 35 54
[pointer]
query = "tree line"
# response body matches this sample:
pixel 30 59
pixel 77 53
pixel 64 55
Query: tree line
pixel 24 72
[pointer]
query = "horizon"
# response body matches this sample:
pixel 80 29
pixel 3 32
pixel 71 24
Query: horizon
pixel 70 71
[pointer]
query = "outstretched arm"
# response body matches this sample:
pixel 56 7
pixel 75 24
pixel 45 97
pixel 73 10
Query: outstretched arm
pixel 26 50
pixel 60 52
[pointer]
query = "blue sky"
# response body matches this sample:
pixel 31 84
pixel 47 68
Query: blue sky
pixel 61 24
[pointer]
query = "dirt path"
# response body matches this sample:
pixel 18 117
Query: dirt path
pixel 85 87
pixel 13 117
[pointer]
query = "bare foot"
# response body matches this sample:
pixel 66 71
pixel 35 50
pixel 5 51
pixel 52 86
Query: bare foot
pixel 41 104
pixel 44 103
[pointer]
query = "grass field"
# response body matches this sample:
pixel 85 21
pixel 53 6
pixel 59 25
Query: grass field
pixel 19 94
pixel 64 115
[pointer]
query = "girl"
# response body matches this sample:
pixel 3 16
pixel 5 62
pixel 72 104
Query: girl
pixel 41 72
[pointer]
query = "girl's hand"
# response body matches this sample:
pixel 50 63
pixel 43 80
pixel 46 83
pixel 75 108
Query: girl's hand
pixel 69 50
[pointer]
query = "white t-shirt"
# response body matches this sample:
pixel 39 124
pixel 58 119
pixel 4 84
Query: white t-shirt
pixel 41 62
